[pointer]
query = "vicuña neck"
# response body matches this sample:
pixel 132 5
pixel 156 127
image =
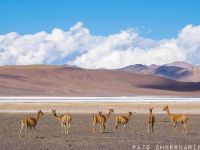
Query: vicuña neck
pixel 129 116
pixel 55 115
pixel 38 117
pixel 168 112
pixel 108 115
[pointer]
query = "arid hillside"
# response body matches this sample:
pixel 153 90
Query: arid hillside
pixel 42 80
pixel 179 71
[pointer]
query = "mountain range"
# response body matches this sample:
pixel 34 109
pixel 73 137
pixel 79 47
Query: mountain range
pixel 180 71
pixel 176 79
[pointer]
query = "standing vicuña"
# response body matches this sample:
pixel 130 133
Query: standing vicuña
pixel 119 119
pixel 64 120
pixel 175 118
pixel 101 119
pixel 151 120
pixel 30 122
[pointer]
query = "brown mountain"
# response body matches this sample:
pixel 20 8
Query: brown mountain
pixel 180 71
pixel 181 64
pixel 42 80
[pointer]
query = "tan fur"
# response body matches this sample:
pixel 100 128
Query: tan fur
pixel 30 122
pixel 101 119
pixel 150 120
pixel 64 120
pixel 175 118
pixel 120 119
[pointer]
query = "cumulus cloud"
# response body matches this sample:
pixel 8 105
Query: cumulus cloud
pixel 42 47
pixel 92 51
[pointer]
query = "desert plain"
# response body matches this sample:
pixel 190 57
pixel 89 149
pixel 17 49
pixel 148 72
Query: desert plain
pixel 133 136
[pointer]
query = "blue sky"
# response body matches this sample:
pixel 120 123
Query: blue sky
pixel 99 33
pixel 156 19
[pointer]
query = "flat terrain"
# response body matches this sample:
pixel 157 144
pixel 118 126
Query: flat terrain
pixel 93 107
pixel 81 136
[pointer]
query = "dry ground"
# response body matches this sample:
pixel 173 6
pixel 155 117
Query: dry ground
pixel 81 136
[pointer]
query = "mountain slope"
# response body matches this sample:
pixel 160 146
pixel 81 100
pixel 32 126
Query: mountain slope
pixel 42 80
pixel 179 71
pixel 172 72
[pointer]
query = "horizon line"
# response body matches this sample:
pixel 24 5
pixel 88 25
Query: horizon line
pixel 75 66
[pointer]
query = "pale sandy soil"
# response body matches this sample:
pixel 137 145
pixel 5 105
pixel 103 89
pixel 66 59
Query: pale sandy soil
pixel 93 107
pixel 81 137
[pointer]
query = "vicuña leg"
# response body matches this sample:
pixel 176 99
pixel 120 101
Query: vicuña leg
pixel 68 127
pixel 94 125
pixel 100 127
pixel 65 128
pixel 29 132
pixel 174 124
pixel 26 131
pixel 149 129
pixel 116 126
pixel 62 126
pixel 22 126
pixel 185 126
pixel 35 131
pixel 104 127
pixel 93 130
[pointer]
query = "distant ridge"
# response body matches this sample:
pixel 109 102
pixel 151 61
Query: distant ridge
pixel 180 71
pixel 71 66
pixel 44 80
pixel 181 64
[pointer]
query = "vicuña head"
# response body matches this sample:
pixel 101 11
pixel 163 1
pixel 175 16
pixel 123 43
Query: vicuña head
pixel 100 112
pixel 40 112
pixel 151 109
pixel 109 113
pixel 165 108
pixel 111 110
pixel 53 111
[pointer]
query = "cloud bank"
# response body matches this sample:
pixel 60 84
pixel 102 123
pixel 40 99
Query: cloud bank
pixel 78 47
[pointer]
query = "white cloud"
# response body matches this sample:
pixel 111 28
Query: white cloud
pixel 134 49
pixel 112 51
